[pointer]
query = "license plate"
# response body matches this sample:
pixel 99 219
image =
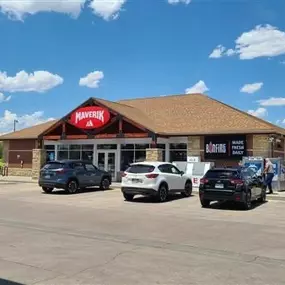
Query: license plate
pixel 219 186
pixel 47 176
pixel 136 180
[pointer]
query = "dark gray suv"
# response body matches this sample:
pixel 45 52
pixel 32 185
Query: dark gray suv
pixel 72 175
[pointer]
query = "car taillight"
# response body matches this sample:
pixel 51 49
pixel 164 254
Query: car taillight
pixel 204 181
pixel 151 176
pixel 124 174
pixel 236 182
pixel 60 171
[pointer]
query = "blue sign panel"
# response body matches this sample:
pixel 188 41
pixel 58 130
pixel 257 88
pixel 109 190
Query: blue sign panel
pixel 256 166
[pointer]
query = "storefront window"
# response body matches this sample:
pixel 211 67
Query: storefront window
pixel 127 157
pixel 75 152
pixel 162 146
pixel 50 152
pixel 128 146
pixel 178 152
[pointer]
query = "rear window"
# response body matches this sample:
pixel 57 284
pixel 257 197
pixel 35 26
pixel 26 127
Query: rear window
pixel 226 174
pixel 140 168
pixel 54 165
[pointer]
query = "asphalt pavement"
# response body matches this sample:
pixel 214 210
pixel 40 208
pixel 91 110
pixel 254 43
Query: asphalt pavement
pixel 96 237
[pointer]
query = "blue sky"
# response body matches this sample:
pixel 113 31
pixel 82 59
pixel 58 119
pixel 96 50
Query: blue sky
pixel 55 55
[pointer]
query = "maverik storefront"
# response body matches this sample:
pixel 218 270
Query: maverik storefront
pixel 167 128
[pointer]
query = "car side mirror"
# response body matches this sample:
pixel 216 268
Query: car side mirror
pixel 182 173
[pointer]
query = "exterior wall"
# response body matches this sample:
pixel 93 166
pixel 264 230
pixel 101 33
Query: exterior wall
pixel 39 159
pixel 261 146
pixel 153 154
pixel 20 150
pixel 20 172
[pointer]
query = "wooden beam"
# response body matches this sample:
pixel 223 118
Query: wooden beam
pixel 136 135
pixel 53 138
pixel 76 137
pixel 120 126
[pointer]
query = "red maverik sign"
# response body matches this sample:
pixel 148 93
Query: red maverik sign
pixel 92 117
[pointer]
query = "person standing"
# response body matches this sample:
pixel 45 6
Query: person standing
pixel 269 174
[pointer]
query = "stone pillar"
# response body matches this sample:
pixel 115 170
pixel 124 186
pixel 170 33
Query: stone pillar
pixel 154 154
pixel 261 146
pixel 194 146
pixel 6 151
pixel 39 159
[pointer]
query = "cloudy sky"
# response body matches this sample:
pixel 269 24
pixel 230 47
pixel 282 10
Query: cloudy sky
pixel 55 54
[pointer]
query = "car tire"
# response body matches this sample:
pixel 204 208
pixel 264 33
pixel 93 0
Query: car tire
pixel 105 184
pixel 162 193
pixel 247 203
pixel 262 199
pixel 205 203
pixel 128 197
pixel 71 187
pixel 47 190
pixel 187 189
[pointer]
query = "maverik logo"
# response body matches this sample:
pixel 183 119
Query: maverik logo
pixel 90 117
pixel 216 148
pixel 99 115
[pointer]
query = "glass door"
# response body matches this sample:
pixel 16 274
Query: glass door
pixel 107 162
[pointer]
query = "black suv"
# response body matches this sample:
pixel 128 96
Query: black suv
pixel 241 186
pixel 71 175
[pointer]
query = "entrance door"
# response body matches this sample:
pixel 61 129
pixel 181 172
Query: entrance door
pixel 107 162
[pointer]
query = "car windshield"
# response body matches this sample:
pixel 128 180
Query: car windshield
pixel 140 168
pixel 226 174
pixel 54 165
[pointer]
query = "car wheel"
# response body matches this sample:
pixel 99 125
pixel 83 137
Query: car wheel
pixel 247 202
pixel 205 203
pixel 71 187
pixel 105 184
pixel 262 199
pixel 162 193
pixel 187 190
pixel 47 189
pixel 128 197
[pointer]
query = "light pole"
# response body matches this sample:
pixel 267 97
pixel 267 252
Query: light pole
pixel 15 122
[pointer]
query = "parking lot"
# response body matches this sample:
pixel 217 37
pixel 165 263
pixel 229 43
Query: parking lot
pixel 97 238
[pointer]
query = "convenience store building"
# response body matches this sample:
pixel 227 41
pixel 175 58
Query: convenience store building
pixel 170 128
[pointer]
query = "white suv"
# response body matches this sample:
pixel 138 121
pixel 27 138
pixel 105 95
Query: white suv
pixel 156 179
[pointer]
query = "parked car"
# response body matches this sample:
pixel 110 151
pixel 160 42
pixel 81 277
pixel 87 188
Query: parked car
pixel 242 186
pixel 157 179
pixel 71 175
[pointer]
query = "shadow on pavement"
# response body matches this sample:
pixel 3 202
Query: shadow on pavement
pixel 80 191
pixel 8 282
pixel 149 199
pixel 231 206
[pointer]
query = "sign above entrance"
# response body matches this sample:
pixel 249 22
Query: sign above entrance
pixel 92 117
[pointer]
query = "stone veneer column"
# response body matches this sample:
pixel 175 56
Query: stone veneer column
pixel 261 146
pixel 154 154
pixel 39 159
pixel 194 146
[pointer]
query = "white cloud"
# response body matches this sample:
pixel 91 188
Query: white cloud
pixel 262 41
pixel 92 79
pixel 179 1
pixel 251 88
pixel 217 52
pixel 107 9
pixel 39 81
pixel 24 121
pixel 18 9
pixel 273 101
pixel 3 98
pixel 199 87
pixel 259 112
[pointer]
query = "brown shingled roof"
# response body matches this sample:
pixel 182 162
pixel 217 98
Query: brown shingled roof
pixel 28 133
pixel 187 114
pixel 198 114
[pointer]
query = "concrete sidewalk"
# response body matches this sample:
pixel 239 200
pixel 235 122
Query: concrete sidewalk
pixel 280 196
